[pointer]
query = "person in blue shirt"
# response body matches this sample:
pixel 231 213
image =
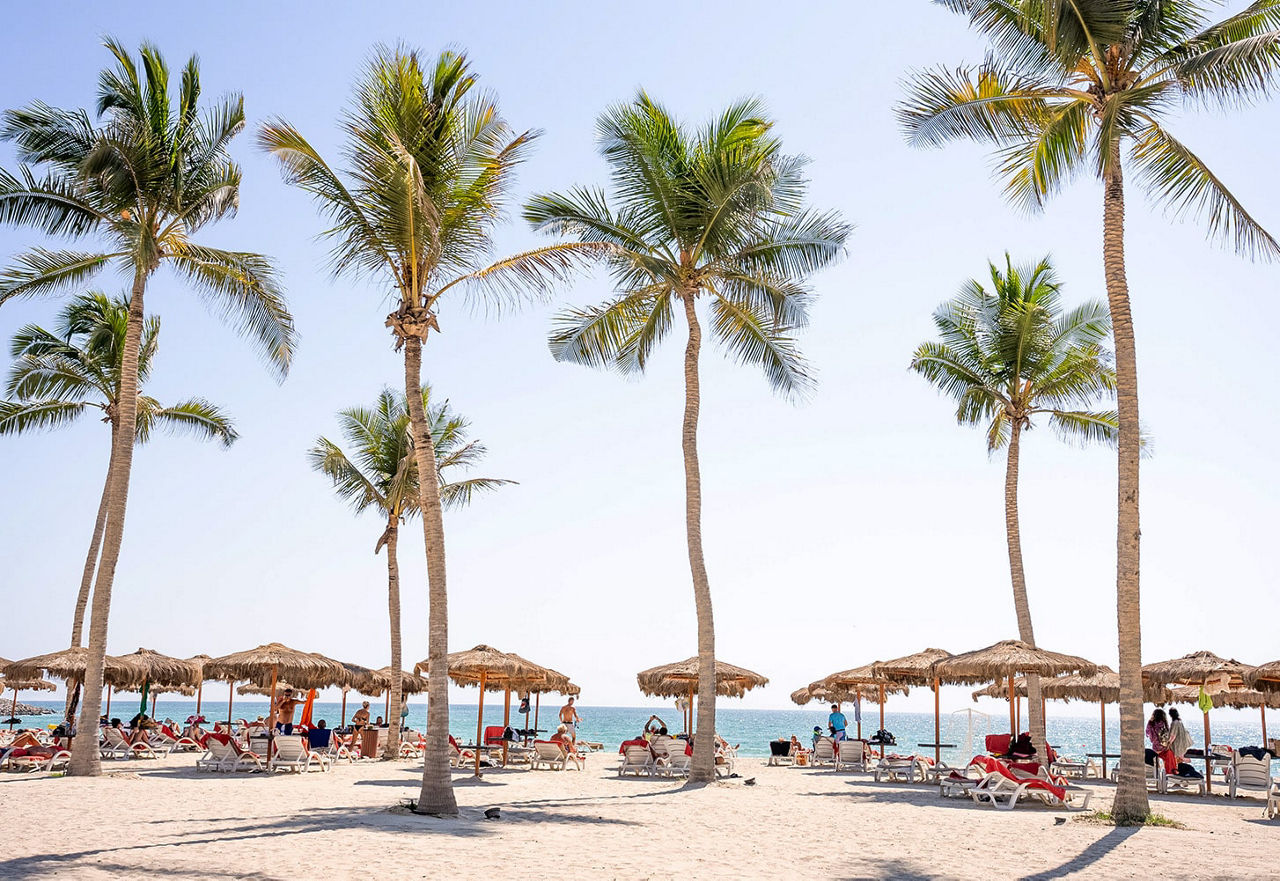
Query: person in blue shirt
pixel 837 723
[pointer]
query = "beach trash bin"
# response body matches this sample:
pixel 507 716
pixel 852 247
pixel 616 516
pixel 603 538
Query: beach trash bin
pixel 369 743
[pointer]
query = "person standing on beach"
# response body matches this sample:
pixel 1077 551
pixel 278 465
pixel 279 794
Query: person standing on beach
pixel 570 718
pixel 285 707
pixel 1179 739
pixel 360 718
pixel 837 723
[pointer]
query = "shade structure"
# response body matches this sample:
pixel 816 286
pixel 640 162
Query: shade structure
pixel 1202 669
pixel 249 688
pixel 16 685
pixel 268 664
pixel 917 669
pixel 69 665
pixel 680 680
pixel 375 682
pixel 1005 660
pixel 491 670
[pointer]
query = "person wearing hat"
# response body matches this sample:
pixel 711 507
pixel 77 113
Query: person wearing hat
pixel 817 735
pixel 193 729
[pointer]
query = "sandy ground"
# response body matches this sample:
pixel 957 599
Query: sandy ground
pixel 162 817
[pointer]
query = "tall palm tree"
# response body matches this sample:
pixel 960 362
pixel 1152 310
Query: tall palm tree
pixel 1075 86
pixel 59 374
pixel 1007 355
pixel 382 473
pixel 716 213
pixel 429 162
pixel 148 174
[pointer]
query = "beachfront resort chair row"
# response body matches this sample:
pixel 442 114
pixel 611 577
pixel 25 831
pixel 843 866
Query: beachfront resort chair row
pixel 665 756
pixel 290 753
pixel 28 751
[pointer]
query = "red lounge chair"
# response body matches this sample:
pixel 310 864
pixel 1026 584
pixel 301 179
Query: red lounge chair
pixel 1002 782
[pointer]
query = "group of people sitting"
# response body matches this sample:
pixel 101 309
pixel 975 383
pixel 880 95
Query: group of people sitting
pixel 656 730
pixel 1169 740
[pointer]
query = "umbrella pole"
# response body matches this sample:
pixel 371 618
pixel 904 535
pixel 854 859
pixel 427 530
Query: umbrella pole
pixel 526 721
pixel 13 714
pixel 1208 761
pixel 199 697
pixel 537 707
pixel 858 711
pixel 108 703
pixel 343 723
pixel 271 718
pixel 688 712
pixel 937 724
pixel 1264 725
pixel 882 720
pixel 154 696
pixel 231 694
pixel 480 722
pixel 1104 739
pixel 506 722
pixel 1013 711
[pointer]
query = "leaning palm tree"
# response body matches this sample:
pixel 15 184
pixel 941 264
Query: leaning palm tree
pixel 717 214
pixel 149 173
pixel 1007 355
pixel 429 161
pixel 382 473
pixel 59 375
pixel 1075 87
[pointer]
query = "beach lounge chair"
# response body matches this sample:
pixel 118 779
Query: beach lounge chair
pixel 1155 776
pixel 1187 778
pixel 245 759
pixel 1003 787
pixel 171 741
pixel 902 769
pixel 554 755
pixel 780 753
pixel 1273 800
pixel 293 753
pixel 219 755
pixel 1249 774
pixel 852 754
pixel 824 751
pixel 726 760
pixel 116 746
pixel 671 759
pixel 637 760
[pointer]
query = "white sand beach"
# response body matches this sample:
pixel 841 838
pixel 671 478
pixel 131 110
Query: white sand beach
pixel 162 819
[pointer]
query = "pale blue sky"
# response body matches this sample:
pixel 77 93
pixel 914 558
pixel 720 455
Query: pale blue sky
pixel 861 525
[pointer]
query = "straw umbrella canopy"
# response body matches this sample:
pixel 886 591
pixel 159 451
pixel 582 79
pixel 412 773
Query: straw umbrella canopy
pixel 250 688
pixel 163 670
pixel 488 669
pixel 1004 660
pixel 680 680
pixel 9 682
pixel 267 664
pixel 1203 670
pixel 1264 677
pixel 69 666
pixel 916 669
pixel 852 684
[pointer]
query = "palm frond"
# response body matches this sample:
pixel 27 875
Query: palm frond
pixel 195 416
pixel 751 337
pixel 19 417
pixel 42 271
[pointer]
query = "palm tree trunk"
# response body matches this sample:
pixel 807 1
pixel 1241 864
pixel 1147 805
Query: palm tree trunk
pixel 1021 606
pixel 703 768
pixel 85 760
pixel 436 796
pixel 91 560
pixel 86 578
pixel 1131 793
pixel 393 608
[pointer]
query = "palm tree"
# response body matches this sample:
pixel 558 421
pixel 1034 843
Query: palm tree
pixel 429 163
pixel 716 213
pixel 147 175
pixel 58 375
pixel 382 473
pixel 1008 355
pixel 1073 87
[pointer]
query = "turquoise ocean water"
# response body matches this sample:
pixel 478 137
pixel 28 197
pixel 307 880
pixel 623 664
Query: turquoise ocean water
pixel 752 729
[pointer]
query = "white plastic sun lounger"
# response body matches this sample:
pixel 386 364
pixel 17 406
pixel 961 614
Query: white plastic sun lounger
pixel 636 760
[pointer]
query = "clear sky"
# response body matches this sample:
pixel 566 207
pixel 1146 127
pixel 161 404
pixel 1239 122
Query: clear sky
pixel 861 525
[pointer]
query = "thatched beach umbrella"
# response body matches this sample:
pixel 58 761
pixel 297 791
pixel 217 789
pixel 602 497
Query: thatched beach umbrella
pixel 9 682
pixel 163 671
pixel 1203 670
pixel 1004 661
pixel 916 669
pixel 267 664
pixel 859 681
pixel 1264 677
pixel 69 666
pixel 485 667
pixel 680 679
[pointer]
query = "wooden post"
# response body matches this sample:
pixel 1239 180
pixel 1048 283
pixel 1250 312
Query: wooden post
pixel 537 707
pixel 387 713
pixel 199 696
pixel 13 712
pixel 108 712
pixel 1013 710
pixel 480 722
pixel 343 722
pixel 1104 740
pixel 1208 761
pixel 688 711
pixel 1264 726
pixel 506 722
pixel 882 720
pixel 271 719
pixel 858 712
pixel 231 693
pixel 154 695
pixel 527 735
pixel 937 724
